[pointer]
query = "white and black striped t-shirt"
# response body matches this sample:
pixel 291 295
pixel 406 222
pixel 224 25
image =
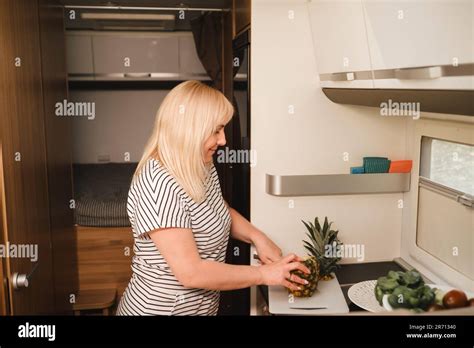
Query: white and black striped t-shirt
pixel 156 200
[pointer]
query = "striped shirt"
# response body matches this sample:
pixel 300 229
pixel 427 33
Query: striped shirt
pixel 156 200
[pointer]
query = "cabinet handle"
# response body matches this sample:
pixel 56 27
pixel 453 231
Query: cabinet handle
pixel 425 73
pixel 137 75
pixel 22 280
pixel 346 76
pixel 19 281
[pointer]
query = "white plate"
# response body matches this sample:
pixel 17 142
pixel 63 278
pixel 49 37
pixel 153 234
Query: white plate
pixel 443 288
pixel 362 294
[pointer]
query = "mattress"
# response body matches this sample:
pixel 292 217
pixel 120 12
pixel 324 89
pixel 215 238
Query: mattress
pixel 100 193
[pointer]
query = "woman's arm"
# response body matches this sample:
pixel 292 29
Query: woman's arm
pixel 243 230
pixel 178 247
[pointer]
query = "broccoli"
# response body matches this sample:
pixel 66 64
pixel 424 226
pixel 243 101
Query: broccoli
pixel 401 297
pixel 394 275
pixel 379 294
pixel 426 295
pixel 405 290
pixel 412 279
pixel 387 284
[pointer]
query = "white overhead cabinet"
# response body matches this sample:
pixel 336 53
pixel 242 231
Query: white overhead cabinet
pixel 136 55
pixel 340 43
pixel 79 54
pixel 189 63
pixel 423 44
pixel 133 56
pixel 416 44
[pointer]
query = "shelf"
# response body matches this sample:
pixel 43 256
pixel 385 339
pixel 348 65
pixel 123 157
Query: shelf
pixel 124 84
pixel 336 184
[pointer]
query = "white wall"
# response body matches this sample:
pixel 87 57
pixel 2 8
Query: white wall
pixel 123 122
pixel 313 140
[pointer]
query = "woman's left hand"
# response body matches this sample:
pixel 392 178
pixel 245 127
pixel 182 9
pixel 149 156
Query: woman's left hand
pixel 267 251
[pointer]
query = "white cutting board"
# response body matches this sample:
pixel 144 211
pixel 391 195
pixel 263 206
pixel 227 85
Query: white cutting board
pixel 328 294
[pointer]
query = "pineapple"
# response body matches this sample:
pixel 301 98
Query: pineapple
pixel 319 238
pixel 312 278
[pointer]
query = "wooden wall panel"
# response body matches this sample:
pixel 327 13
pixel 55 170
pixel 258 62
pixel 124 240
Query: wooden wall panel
pixel 4 298
pixel 59 153
pixel 22 134
pixel 241 14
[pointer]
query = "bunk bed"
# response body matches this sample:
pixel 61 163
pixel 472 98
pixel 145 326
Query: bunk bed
pixel 103 231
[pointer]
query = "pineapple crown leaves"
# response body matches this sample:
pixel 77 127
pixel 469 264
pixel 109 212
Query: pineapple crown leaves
pixel 319 238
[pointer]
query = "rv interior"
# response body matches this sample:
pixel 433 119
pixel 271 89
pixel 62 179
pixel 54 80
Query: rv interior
pixel 355 119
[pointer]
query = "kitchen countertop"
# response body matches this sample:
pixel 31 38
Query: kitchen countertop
pixel 350 274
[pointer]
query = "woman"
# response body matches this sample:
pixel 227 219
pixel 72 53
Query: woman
pixel 180 221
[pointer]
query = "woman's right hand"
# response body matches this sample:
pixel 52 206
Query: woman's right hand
pixel 278 273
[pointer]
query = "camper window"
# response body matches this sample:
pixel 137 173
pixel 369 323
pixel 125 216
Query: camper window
pixel 445 203
pixel 449 164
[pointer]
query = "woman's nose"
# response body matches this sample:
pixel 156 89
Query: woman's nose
pixel 221 141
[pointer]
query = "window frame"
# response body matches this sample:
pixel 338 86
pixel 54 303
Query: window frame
pixel 424 181
pixel 436 270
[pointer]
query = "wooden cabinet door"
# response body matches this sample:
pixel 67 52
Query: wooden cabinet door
pixel 24 193
pixel 58 132
pixel 35 161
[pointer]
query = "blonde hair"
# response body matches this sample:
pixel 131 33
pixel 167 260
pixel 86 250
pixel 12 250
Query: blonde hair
pixel 186 118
